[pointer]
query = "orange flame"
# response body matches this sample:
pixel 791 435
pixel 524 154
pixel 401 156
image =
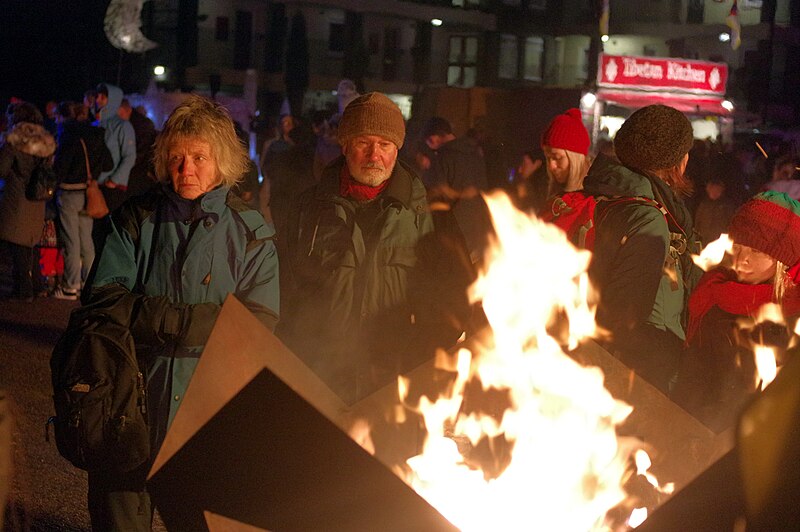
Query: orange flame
pixel 566 467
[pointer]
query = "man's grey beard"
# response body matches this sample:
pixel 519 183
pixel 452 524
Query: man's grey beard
pixel 372 179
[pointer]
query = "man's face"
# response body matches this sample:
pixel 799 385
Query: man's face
pixel 124 112
pixel 192 167
pixel 370 159
pixel 101 100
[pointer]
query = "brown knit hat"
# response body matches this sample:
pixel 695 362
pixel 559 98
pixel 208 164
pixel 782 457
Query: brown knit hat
pixel 372 114
pixel 653 138
pixel 769 223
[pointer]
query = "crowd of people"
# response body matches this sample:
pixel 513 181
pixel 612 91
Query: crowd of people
pixel 374 241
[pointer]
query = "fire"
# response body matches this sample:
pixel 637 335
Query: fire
pixel 554 458
pixel 765 365
pixel 714 252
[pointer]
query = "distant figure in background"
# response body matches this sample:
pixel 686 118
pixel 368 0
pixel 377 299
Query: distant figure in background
pixel 25 145
pixel 277 145
pixel 121 142
pixel 70 165
pixel 346 92
pixel 714 212
pixel 142 175
pixel 531 183
pixel 784 177
pixel 89 101
pixel 327 149
pixel 247 187
pixel 50 117
pixel 458 176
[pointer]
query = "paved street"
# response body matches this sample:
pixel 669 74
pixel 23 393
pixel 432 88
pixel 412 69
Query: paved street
pixel 47 492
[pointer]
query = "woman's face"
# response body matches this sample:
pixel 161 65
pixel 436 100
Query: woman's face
pixel 192 167
pixel 752 266
pixel 557 164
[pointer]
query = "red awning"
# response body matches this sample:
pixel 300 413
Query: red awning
pixel 701 104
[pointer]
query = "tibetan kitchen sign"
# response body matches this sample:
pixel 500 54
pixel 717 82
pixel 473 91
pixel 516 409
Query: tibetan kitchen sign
pixel 658 73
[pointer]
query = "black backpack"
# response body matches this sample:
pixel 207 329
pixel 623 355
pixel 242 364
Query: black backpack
pixel 42 182
pixel 99 395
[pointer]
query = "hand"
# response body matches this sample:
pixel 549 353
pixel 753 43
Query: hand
pixel 109 184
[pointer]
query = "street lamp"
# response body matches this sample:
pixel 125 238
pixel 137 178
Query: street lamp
pixel 724 37
pixel 727 105
pixel 436 22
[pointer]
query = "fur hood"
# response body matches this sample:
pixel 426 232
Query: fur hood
pixel 31 139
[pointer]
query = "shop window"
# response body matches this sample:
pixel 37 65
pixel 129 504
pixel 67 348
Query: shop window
pixel 462 67
pixel 222 29
pixel 509 60
pixel 534 51
pixel 336 37
pixel 537 4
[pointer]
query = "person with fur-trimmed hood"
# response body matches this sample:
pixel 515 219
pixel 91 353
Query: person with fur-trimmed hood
pixel 643 239
pixel 22 148
pixel 718 373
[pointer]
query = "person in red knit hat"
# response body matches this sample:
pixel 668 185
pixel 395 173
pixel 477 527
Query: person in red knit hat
pixel 565 143
pixel 718 372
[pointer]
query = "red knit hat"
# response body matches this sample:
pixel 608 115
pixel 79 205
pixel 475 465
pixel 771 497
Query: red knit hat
pixel 567 132
pixel 769 223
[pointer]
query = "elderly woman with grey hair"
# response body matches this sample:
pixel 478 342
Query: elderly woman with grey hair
pixel 172 256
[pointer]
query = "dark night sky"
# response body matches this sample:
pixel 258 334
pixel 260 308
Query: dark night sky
pixel 54 49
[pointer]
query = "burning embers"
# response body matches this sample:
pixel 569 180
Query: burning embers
pixel 525 437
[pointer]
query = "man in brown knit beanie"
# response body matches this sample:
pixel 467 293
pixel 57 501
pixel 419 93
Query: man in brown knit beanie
pixel 372 285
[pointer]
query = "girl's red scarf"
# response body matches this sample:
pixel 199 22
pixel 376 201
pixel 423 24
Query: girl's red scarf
pixel 718 288
pixel 350 188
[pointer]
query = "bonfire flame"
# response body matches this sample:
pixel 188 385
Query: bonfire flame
pixel 566 468
pixel 714 252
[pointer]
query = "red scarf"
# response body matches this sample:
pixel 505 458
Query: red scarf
pixel 718 288
pixel 350 188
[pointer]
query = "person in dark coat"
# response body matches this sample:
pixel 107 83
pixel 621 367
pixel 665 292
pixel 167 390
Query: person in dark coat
pixel 142 176
pixel 641 264
pixel 714 211
pixel 718 374
pixel 25 145
pixel 70 164
pixel 458 176
pixel 378 285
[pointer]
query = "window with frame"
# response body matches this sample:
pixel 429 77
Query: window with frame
pixel 462 69
pixel 508 67
pixel 532 62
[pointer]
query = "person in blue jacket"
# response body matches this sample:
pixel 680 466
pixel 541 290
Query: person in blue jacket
pixel 121 142
pixel 173 255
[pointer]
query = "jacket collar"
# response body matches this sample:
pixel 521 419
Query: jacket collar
pixel 399 190
pixel 212 202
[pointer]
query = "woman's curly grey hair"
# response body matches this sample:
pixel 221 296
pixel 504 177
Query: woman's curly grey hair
pixel 200 118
